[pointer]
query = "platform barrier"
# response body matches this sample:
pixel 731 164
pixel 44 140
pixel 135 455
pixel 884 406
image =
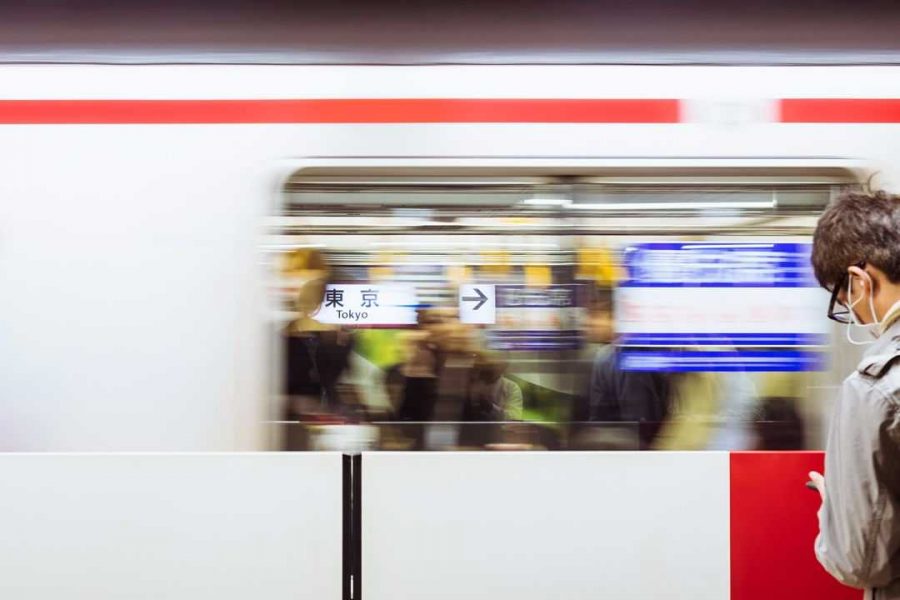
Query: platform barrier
pixel 389 525
pixel 624 525
pixel 266 526
pixel 545 525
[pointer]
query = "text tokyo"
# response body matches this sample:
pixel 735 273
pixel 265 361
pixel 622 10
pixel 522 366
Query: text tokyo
pixel 352 315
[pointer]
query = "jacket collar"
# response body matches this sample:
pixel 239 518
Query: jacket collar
pixel 880 355
pixel 891 318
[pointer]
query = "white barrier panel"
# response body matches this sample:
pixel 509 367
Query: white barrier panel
pixel 173 526
pixel 545 525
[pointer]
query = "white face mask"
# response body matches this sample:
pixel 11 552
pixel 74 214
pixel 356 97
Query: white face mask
pixel 874 328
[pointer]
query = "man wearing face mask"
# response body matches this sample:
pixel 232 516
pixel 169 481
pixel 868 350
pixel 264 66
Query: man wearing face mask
pixel 856 255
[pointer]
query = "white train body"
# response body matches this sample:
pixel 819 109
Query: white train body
pixel 132 294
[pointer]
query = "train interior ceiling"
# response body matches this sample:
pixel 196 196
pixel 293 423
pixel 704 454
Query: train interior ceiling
pixel 644 307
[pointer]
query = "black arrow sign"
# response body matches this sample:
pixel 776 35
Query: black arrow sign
pixel 480 299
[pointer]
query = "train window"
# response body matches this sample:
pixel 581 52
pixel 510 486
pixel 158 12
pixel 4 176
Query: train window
pixel 550 309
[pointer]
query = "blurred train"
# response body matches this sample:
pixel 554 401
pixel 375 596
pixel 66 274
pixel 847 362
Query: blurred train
pixel 149 217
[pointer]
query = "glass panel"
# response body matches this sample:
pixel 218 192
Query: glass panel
pixel 492 317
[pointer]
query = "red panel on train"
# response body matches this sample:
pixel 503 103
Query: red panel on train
pixel 773 527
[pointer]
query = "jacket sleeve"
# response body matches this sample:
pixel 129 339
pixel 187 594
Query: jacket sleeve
pixel 858 528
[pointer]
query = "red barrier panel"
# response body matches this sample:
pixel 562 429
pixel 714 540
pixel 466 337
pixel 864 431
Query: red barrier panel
pixel 773 527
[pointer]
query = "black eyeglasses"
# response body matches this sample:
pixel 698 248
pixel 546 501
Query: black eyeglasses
pixel 836 310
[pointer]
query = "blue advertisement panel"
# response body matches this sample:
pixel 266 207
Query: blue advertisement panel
pixel 713 306
pixel 711 264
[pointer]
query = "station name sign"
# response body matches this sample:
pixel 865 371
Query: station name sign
pixel 368 305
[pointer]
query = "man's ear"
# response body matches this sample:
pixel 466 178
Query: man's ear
pixel 878 276
pixel 861 279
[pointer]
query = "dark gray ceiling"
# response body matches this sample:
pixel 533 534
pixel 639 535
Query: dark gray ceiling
pixel 418 32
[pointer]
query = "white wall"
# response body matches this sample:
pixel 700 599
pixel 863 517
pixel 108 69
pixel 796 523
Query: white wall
pixel 224 526
pixel 130 291
pixel 545 525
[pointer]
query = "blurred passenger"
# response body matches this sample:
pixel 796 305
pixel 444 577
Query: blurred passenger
pixel 598 346
pixel 598 337
pixel 456 347
pixel 638 398
pixel 315 354
pixel 417 377
pixel 394 385
pixel 490 398
pixel 856 255
pixel 738 413
pixel 363 387
pixel 433 382
pixel 733 411
pixel 423 382
pixel 726 411
pixel 395 436
pixel 694 412
pixel 779 424
pixel 419 374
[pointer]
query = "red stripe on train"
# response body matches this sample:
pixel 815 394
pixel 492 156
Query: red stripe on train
pixel 417 110
pixel 339 111
pixel 832 110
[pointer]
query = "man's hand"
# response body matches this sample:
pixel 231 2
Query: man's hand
pixel 818 480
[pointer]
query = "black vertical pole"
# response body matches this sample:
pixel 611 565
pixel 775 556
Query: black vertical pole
pixel 347 528
pixel 357 527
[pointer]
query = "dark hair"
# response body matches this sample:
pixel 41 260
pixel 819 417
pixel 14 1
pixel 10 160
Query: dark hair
pixel 857 228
